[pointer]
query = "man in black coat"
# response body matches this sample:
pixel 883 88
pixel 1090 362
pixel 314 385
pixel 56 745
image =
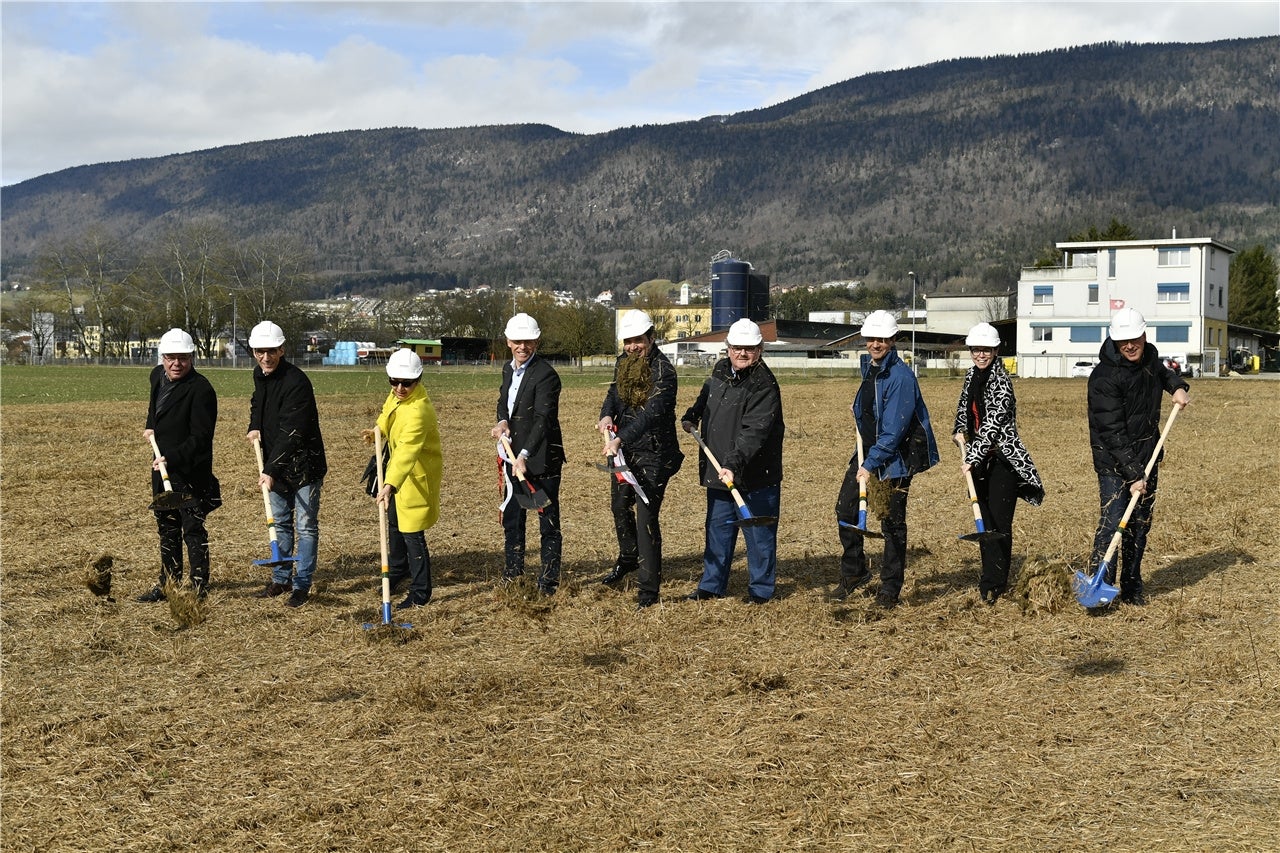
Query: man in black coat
pixel 181 417
pixel 283 417
pixel 1125 390
pixel 740 411
pixel 529 415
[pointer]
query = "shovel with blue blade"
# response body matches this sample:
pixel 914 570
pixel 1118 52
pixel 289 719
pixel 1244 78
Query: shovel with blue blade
pixel 1094 591
pixel 276 558
pixel 745 518
pixel 861 527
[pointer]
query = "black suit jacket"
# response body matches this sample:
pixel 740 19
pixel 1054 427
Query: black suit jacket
pixel 184 432
pixel 534 421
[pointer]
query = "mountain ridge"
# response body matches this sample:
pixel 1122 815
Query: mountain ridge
pixel 959 169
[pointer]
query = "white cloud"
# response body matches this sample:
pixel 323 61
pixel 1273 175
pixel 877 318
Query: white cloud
pixel 87 83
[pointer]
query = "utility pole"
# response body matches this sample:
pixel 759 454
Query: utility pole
pixel 912 314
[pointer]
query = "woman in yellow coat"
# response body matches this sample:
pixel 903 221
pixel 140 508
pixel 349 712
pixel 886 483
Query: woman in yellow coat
pixel 411 484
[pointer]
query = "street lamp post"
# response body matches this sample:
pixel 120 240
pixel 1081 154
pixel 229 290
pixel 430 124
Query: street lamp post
pixel 912 313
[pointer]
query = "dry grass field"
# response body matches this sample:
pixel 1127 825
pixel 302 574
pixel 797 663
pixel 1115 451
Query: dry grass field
pixel 501 722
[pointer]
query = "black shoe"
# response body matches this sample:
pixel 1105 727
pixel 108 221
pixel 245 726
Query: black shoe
pixel 989 596
pixel 886 600
pixel 848 585
pixel 646 601
pixel 547 588
pixel 412 600
pixel 156 594
pixel 618 574
pixel 272 589
pixel 1136 596
pixel 297 598
pixel 756 599
pixel 702 595
pixel 202 589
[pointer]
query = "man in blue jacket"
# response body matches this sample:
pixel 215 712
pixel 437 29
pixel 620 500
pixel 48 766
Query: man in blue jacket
pixel 1125 391
pixel 898 441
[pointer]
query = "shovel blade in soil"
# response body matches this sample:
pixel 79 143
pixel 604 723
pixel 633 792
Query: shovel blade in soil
pixel 982 536
pixel 1094 591
pixel 276 558
pixel 861 530
pixel 168 501
pixel 534 499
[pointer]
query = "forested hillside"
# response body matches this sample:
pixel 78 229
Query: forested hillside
pixel 966 168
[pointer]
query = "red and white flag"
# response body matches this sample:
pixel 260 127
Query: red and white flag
pixel 1117 304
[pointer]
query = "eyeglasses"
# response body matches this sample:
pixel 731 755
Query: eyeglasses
pixel 733 348
pixel 176 357
pixel 402 383
pixel 262 352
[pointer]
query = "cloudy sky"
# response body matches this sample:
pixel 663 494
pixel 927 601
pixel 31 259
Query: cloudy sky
pixel 96 82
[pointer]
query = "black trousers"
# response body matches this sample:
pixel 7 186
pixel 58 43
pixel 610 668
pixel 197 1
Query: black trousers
pixel 513 526
pixel 639 531
pixel 183 526
pixel 407 555
pixel 893 566
pixel 997 491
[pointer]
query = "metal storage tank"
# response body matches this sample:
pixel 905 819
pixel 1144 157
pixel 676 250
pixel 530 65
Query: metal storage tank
pixel 730 286
pixel 758 297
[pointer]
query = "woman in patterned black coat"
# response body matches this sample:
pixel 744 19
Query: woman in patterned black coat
pixel 987 423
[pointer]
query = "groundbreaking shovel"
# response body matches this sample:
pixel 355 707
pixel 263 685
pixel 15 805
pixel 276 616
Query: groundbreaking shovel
pixel 746 519
pixel 276 559
pixel 861 526
pixel 170 500
pixel 982 534
pixel 534 498
pixel 621 471
pixel 383 536
pixel 1095 591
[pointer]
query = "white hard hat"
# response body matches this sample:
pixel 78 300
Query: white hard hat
pixel 522 327
pixel 266 335
pixel 176 342
pixel 634 323
pixel 1127 324
pixel 983 335
pixel 404 364
pixel 879 324
pixel 744 333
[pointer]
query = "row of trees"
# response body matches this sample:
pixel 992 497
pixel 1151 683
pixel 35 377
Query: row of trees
pixel 107 291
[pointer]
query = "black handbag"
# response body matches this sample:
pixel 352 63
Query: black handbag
pixel 370 476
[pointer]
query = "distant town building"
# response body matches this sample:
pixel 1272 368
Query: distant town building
pixel 1178 284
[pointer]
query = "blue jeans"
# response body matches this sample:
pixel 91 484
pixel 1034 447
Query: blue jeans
pixel 1114 497
pixel 297 509
pixel 722 536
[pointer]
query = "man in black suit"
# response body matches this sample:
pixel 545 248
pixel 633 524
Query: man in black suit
pixel 529 415
pixel 181 416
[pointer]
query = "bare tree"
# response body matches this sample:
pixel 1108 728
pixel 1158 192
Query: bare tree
pixel 96 275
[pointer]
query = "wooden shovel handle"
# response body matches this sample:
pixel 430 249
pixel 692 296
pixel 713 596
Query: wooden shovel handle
pixel 511 457
pixel 973 491
pixel 712 459
pixel 164 470
pixel 383 524
pixel 1133 501
pixel 266 493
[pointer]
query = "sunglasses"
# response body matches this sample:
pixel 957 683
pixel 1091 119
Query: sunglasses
pixel 402 383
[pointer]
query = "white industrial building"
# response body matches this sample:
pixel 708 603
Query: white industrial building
pixel 1179 285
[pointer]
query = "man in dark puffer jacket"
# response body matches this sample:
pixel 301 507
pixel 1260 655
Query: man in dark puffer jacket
pixel 1124 425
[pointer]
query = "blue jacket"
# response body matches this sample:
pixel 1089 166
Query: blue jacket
pixel 896 407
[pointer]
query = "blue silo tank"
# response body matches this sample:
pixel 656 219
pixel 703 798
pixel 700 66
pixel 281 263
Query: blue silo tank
pixel 730 286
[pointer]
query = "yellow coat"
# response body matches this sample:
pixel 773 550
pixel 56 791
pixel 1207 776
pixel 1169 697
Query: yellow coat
pixel 416 463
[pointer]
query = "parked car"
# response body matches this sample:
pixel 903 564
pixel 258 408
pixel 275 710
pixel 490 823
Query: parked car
pixel 1179 363
pixel 1082 369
